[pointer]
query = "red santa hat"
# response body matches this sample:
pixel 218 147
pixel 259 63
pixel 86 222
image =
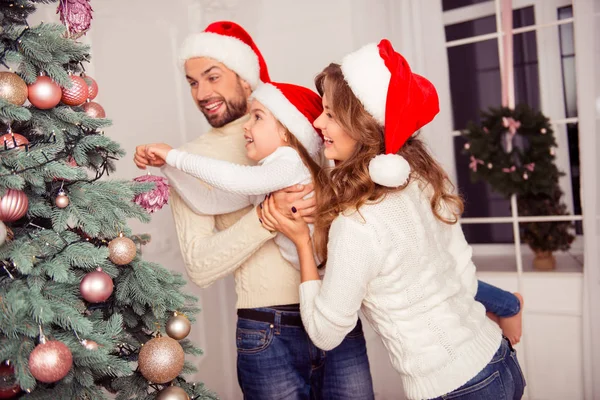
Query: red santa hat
pixel 397 98
pixel 230 44
pixel 297 108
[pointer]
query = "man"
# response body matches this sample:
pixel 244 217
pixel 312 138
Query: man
pixel 276 359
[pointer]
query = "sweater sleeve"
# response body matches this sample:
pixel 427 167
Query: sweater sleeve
pixel 209 256
pixel 462 254
pixel 202 198
pixel 282 169
pixel 329 308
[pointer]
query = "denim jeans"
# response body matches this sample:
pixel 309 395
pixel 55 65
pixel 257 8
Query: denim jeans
pixel 278 361
pixel 496 300
pixel 501 379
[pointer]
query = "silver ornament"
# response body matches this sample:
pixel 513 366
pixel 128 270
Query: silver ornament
pixel 172 393
pixel 178 327
pixel 3 233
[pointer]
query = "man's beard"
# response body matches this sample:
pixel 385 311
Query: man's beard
pixel 235 109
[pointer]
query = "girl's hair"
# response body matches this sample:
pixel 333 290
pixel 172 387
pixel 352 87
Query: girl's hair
pixel 348 185
pixel 310 163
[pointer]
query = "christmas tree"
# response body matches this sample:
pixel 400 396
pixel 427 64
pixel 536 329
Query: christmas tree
pixel 83 315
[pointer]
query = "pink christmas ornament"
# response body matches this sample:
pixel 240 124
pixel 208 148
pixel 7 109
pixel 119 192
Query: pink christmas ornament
pixel 96 286
pixel 13 205
pixel 76 15
pixel 156 198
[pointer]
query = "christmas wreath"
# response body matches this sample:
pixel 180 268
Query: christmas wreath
pixel 513 150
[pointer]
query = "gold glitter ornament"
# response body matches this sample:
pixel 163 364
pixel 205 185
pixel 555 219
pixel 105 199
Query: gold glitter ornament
pixel 12 88
pixel 121 250
pixel 172 393
pixel 161 359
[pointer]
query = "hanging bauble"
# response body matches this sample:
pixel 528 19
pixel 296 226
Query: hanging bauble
pixel 156 198
pixel 92 85
pixel 89 344
pixel 9 387
pixel 161 359
pixel 12 88
pixel 76 15
pixel 96 286
pixel 50 361
pixel 94 110
pixel 44 93
pixel 13 205
pixel 172 393
pixel 77 94
pixel 13 140
pixel 61 200
pixel 178 327
pixel 121 250
pixel 3 233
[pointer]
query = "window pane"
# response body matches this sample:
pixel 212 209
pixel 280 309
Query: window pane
pixel 523 17
pixel 452 4
pixel 476 27
pixel 474 80
pixel 567 55
pixel 526 69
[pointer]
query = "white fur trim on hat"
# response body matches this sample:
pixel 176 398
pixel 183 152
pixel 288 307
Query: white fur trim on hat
pixel 390 170
pixel 369 78
pixel 232 52
pixel 289 116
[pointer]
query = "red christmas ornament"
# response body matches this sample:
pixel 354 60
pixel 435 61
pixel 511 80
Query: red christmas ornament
pixel 13 205
pixel 77 94
pixel 9 387
pixel 94 110
pixel 44 93
pixel 50 361
pixel 12 140
pixel 96 286
pixel 92 85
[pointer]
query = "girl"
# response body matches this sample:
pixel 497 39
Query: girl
pixel 386 225
pixel 280 137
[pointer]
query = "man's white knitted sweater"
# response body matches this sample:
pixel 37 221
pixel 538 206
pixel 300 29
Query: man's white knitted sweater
pixel 216 246
pixel 413 278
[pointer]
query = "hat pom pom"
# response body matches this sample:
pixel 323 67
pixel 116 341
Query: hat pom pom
pixel 390 170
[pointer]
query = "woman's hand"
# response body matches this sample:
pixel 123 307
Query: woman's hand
pixel 157 151
pixel 294 227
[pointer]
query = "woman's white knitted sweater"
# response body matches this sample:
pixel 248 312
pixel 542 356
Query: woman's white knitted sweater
pixel 413 278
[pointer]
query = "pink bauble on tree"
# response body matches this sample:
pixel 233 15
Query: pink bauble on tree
pixel 9 387
pixel 92 85
pixel 96 286
pixel 13 205
pixel 76 15
pixel 156 198
pixel 44 93
pixel 12 140
pixel 77 94
pixel 50 361
pixel 94 110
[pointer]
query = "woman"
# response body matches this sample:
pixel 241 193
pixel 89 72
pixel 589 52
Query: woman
pixel 387 227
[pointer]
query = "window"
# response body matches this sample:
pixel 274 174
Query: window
pixel 544 78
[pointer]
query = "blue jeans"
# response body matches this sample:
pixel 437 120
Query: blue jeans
pixel 501 379
pixel 277 361
pixel 496 300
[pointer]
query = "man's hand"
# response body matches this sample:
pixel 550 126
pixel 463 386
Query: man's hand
pixel 157 151
pixel 142 161
pixel 293 196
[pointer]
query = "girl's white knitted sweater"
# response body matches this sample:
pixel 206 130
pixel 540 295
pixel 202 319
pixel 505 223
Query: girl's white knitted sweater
pixel 235 186
pixel 413 278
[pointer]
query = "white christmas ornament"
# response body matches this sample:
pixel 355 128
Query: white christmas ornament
pixel 3 233
pixel 390 170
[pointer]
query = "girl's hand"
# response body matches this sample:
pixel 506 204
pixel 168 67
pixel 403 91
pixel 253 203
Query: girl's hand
pixel 157 151
pixel 294 228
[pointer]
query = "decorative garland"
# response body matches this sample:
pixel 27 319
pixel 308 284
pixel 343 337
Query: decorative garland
pixel 513 150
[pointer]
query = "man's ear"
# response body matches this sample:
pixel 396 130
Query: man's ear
pixel 247 88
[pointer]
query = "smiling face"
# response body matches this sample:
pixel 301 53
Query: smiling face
pixel 339 145
pixel 263 132
pixel 219 92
